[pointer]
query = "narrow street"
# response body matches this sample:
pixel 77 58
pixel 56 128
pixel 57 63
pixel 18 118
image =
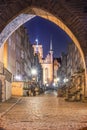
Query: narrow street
pixel 46 112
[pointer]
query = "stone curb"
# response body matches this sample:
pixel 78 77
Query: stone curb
pixel 6 111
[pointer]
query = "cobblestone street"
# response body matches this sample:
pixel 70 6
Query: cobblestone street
pixel 46 112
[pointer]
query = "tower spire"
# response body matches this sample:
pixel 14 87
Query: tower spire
pixel 51 51
pixel 36 45
pixel 51 44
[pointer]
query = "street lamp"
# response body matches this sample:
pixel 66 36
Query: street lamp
pixel 18 77
pixel 58 79
pixel 34 71
pixel 65 80
pixel 34 74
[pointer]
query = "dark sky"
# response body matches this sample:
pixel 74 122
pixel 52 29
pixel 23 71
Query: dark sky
pixel 44 30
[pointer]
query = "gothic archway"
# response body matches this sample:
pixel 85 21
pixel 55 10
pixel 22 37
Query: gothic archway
pixel 70 15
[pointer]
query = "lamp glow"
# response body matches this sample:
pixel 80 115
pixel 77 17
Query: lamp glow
pixel 18 77
pixel 34 72
pixel 65 80
pixel 58 79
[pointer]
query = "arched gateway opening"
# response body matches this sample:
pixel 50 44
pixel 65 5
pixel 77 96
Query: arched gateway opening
pixel 65 14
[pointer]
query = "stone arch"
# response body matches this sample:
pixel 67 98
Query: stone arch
pixel 22 18
pixel 71 16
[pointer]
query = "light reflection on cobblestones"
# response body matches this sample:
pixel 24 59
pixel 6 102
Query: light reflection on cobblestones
pixel 46 113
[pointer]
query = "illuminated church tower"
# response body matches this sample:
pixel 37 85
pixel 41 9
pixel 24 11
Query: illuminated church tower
pixel 38 49
pixel 47 63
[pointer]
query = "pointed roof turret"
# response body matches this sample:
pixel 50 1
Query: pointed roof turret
pixel 51 45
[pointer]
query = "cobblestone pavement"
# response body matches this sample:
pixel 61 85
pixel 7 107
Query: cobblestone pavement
pixel 46 112
pixel 5 105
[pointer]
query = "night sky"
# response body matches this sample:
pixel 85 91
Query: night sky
pixel 45 30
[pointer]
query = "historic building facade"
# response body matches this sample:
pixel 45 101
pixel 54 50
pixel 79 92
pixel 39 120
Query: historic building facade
pixel 47 63
pixel 19 55
pixel 75 74
pixel 5 76
pixel 17 60
pixel 38 49
pixel 72 71
pixel 74 60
